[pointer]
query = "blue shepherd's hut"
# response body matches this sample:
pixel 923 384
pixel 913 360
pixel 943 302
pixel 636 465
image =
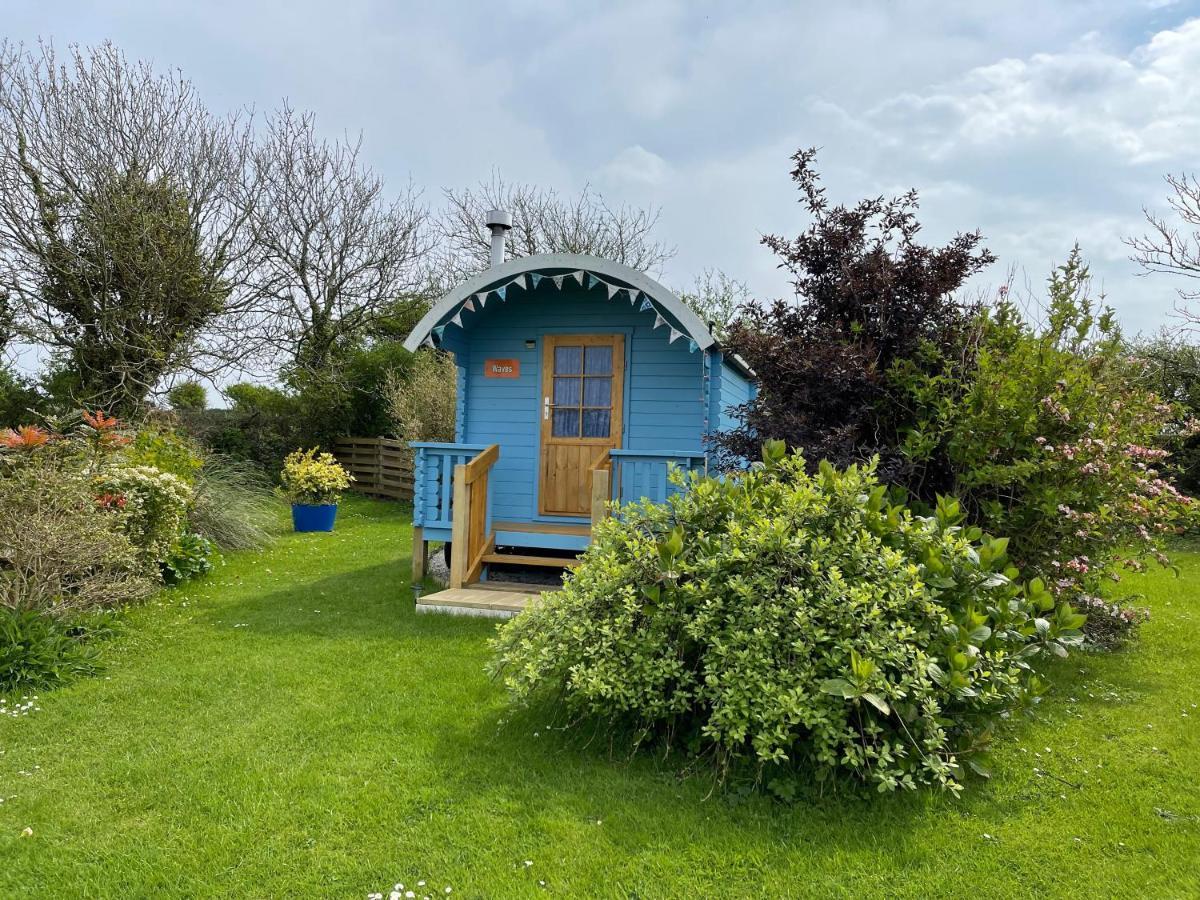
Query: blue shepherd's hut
pixel 581 381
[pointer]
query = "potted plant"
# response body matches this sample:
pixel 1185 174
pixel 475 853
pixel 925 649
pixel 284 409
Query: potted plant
pixel 313 482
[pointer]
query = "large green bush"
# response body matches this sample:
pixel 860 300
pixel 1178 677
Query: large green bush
pixel 1171 367
pixel 1051 436
pixel 312 409
pixel 793 620
pixel 62 552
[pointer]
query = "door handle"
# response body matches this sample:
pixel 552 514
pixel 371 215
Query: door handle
pixel 545 408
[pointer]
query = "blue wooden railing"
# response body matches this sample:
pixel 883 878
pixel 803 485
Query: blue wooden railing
pixel 433 480
pixel 643 474
pixel 636 475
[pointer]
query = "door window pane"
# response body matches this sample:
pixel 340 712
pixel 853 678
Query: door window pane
pixel 597 392
pixel 566 422
pixel 566 392
pixel 568 360
pixel 596 423
pixel 598 360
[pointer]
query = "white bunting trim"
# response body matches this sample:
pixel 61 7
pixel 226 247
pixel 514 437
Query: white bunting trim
pixel 588 281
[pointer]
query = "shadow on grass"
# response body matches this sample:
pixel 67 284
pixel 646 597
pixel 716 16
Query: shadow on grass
pixel 493 757
pixel 373 601
pixel 498 757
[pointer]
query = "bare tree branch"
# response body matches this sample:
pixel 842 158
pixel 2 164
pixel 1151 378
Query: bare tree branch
pixel 544 222
pixel 336 254
pixel 1173 247
pixel 70 129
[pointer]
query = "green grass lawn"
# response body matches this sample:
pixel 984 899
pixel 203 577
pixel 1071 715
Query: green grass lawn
pixel 288 727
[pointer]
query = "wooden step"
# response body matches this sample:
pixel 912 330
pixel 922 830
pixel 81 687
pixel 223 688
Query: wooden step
pixel 518 587
pixel 555 562
pixel 544 528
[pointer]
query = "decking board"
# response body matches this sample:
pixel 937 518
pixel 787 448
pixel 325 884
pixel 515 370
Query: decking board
pixel 479 601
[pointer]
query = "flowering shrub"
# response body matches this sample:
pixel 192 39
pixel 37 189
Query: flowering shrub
pixel 314 478
pixel 166 450
pixel 154 507
pixel 148 505
pixel 1051 438
pixel 793 620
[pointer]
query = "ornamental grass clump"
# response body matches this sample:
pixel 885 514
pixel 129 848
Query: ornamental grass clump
pixel 794 623
pixel 313 478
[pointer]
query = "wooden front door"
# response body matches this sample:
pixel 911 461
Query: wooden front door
pixel 582 391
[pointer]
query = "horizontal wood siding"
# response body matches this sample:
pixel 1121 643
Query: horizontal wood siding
pixel 380 466
pixel 663 384
pixel 735 390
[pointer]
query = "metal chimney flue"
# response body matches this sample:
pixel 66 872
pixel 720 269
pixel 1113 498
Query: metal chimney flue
pixel 499 222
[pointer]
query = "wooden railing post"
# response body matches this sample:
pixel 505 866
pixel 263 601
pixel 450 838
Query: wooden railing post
pixel 460 528
pixel 468 523
pixel 419 556
pixel 601 491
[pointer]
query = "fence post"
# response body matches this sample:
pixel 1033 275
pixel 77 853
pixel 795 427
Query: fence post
pixel 419 554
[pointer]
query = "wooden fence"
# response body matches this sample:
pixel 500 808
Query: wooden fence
pixel 380 466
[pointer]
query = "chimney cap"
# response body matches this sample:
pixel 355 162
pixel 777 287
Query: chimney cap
pixel 499 218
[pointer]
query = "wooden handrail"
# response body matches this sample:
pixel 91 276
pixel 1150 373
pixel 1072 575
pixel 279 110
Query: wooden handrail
pixel 481 463
pixel 469 525
pixel 603 461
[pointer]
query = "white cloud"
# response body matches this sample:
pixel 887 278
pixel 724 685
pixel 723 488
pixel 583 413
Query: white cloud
pixel 1142 107
pixel 635 166
pixel 1039 123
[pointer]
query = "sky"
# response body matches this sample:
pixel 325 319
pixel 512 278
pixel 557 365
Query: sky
pixel 1041 124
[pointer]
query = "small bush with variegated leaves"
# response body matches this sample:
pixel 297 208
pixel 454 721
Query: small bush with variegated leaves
pixel 312 477
pixel 151 504
pixel 796 622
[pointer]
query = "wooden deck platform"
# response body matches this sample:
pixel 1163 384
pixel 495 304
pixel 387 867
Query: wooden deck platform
pixel 496 599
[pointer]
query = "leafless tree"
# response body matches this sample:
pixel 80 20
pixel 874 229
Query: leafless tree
pixel 545 222
pixel 337 254
pixel 70 129
pixel 716 298
pixel 1173 247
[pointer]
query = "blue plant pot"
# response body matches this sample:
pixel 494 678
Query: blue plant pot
pixel 309 517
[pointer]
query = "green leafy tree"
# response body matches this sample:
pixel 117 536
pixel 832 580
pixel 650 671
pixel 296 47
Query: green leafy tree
pixel 128 287
pixel 188 395
pixel 124 242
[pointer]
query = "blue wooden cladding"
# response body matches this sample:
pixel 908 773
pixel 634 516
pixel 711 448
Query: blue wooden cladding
pixel 677 387
pixel 433 480
pixel 640 475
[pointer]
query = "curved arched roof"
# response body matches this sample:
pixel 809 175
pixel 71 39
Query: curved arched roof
pixel 498 275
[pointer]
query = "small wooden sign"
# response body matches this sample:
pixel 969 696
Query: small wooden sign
pixel 501 368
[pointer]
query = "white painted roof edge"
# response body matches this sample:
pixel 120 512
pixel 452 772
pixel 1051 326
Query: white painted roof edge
pixel 496 275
